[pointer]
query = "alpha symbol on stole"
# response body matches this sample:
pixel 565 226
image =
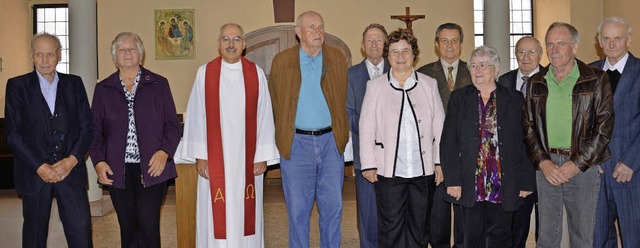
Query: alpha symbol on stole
pixel 219 196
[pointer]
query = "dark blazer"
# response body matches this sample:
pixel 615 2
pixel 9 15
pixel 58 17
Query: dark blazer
pixel 357 77
pixel 26 113
pixel 460 143
pixel 625 140
pixel 435 70
pixel 157 125
pixel 510 78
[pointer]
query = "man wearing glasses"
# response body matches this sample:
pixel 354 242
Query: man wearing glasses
pixel 229 132
pixel 528 54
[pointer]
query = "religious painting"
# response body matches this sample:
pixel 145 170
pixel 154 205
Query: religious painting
pixel 175 34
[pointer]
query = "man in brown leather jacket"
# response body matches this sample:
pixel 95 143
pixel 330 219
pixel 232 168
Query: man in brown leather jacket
pixel 568 122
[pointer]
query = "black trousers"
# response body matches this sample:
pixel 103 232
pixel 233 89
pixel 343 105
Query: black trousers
pixel 402 219
pixel 73 208
pixel 138 210
pixel 440 216
pixel 522 221
pixel 486 225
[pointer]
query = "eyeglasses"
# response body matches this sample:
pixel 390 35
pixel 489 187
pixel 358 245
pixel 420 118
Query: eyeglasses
pixel 400 53
pixel 127 50
pixel 225 40
pixel 532 52
pixel 481 66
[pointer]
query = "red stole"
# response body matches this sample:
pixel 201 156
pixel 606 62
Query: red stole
pixel 214 149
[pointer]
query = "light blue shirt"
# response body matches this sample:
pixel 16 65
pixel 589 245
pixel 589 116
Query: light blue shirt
pixel 312 112
pixel 49 90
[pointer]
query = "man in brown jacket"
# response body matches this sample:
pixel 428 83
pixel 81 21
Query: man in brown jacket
pixel 568 122
pixel 308 87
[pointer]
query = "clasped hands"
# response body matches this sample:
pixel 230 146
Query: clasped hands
pixel 53 173
pixel 156 166
pixel 557 175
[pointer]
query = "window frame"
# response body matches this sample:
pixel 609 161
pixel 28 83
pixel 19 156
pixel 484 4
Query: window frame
pixel 513 37
pixel 63 65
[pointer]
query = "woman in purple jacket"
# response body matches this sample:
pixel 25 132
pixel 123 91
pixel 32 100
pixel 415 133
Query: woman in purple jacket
pixel 135 134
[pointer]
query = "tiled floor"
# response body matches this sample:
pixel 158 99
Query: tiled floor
pixel 106 230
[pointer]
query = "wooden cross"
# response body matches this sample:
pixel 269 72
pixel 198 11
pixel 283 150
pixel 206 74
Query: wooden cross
pixel 407 18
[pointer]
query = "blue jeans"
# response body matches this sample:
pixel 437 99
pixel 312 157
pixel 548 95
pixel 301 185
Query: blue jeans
pixel 315 171
pixel 578 196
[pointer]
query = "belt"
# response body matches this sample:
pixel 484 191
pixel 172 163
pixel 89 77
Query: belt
pixel 314 132
pixel 560 151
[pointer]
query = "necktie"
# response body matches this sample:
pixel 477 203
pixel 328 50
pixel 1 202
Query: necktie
pixel 376 72
pixel 614 77
pixel 523 88
pixel 450 78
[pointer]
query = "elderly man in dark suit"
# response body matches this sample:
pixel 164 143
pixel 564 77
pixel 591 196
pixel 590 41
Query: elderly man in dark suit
pixel 451 73
pixel 373 39
pixel 528 52
pixel 620 188
pixel 48 128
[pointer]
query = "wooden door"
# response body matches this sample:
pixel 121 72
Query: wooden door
pixel 263 44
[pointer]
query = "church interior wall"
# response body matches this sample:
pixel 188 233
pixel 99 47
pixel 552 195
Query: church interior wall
pixel 344 19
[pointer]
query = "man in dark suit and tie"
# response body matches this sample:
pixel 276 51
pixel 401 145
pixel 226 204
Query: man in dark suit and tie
pixel 528 52
pixel 620 188
pixel 451 73
pixel 373 39
pixel 48 129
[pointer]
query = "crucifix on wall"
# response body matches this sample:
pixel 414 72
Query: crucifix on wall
pixel 408 18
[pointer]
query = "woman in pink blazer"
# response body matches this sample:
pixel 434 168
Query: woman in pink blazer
pixel 400 126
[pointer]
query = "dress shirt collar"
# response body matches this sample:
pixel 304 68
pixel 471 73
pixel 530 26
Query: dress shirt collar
pixel 446 65
pixel 42 80
pixel 520 75
pixel 618 66
pixel 370 66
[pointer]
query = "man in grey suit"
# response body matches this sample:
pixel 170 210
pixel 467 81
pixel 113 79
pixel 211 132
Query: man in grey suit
pixel 620 188
pixel 373 39
pixel 528 52
pixel 451 73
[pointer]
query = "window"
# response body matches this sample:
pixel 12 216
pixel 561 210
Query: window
pixel 521 24
pixel 54 19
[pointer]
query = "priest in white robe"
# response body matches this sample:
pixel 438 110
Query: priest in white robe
pixel 229 109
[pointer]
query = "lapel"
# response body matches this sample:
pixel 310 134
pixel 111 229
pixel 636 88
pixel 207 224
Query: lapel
pixel 63 84
pixel 363 73
pixel 387 67
pixel 34 83
pixel 462 76
pixel 512 79
pixel 441 78
pixel 471 103
pixel 502 101
pixel 630 73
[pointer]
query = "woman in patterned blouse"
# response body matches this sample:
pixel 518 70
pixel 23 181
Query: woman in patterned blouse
pixel 484 161
pixel 136 132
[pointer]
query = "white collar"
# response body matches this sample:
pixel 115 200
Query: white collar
pixel 445 65
pixel 408 83
pixel 520 75
pixel 618 66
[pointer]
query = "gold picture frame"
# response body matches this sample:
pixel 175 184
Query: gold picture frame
pixel 175 34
